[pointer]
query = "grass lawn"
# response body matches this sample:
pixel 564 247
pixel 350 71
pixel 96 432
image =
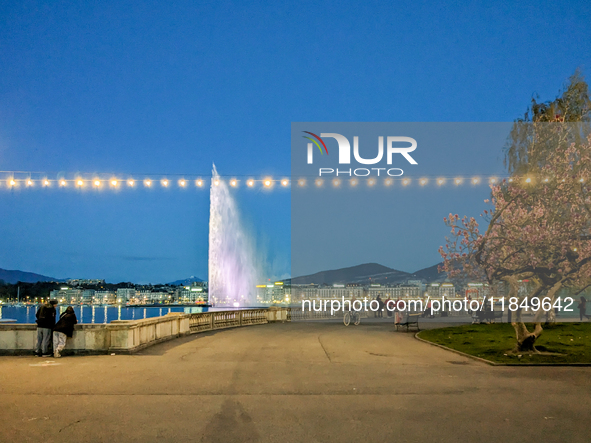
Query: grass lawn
pixel 495 341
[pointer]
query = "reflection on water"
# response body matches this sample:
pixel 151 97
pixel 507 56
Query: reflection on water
pixel 101 314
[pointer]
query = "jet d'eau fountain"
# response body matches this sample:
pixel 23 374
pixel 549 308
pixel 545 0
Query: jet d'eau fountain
pixel 234 267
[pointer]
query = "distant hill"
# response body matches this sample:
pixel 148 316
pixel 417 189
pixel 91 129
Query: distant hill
pixel 186 281
pixel 430 274
pixel 369 273
pixel 13 277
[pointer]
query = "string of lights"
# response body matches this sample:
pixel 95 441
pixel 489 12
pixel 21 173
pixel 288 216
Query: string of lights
pixel 22 180
pixel 13 180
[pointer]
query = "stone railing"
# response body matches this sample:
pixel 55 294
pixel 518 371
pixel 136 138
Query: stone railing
pixel 18 339
pixel 133 335
pixel 128 336
pixel 209 321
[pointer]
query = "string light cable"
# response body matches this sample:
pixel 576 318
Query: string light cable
pixel 36 180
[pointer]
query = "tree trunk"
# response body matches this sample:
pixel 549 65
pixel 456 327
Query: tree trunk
pixel 550 313
pixel 525 339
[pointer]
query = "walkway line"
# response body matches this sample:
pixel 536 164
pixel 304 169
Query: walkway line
pixel 324 349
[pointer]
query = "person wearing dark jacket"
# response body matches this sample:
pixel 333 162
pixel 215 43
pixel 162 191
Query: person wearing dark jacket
pixel 45 323
pixel 63 329
pixel 583 309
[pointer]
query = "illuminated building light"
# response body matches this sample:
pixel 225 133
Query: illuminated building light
pixel 528 180
pixel 97 183
pixel 11 182
pixel 80 183
pixel 371 182
pixel 29 182
pixel 475 180
pixel 388 182
pixel 318 182
pixel 582 180
pixel 216 182
pixel 268 182
pixel 250 183
pixel 458 181
pixel 440 181
pixel 493 180
pixel 545 180
pixel 336 182
pixel 199 182
pixel 45 182
pixel 423 181
pixel 62 183
pixel 510 180
pixel 284 182
pixel 233 182
pixel 164 182
pixel 114 182
pixel 130 182
pixel 182 183
pixel 405 181
pixel 148 183
pixel 302 182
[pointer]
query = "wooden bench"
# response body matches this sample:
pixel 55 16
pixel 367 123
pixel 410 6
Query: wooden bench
pixel 487 315
pixel 409 320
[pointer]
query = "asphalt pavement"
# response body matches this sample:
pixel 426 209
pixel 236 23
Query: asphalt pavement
pixel 291 382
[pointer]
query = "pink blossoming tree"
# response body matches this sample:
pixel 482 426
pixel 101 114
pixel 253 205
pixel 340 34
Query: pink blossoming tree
pixel 538 228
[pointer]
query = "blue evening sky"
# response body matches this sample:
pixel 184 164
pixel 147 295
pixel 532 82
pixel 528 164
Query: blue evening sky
pixel 167 88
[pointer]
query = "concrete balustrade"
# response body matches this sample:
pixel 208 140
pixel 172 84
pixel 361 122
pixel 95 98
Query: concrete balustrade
pixel 16 339
pixel 128 336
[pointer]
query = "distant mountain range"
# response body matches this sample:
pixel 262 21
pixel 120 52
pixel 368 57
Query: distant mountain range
pixel 363 274
pixel 370 273
pixel 13 277
pixel 186 281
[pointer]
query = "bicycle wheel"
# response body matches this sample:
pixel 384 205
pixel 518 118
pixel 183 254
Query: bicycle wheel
pixel 356 318
pixel 347 319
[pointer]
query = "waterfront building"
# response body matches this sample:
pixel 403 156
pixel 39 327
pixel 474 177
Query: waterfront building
pixel 477 290
pixel 196 293
pixel 143 297
pixel 433 290
pixel 277 292
pixel 419 283
pixel 87 296
pixel 149 297
pixel 448 290
pixel 407 291
pixel 125 295
pixel 66 295
pixel 374 290
pixel 104 297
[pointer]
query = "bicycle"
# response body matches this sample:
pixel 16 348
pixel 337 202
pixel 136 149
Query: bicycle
pixel 351 316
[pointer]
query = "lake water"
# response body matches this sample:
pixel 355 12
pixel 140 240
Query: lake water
pixel 102 314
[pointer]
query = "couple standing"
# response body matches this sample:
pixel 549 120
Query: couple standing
pixel 46 325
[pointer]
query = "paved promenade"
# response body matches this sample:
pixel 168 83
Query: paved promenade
pixel 291 382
